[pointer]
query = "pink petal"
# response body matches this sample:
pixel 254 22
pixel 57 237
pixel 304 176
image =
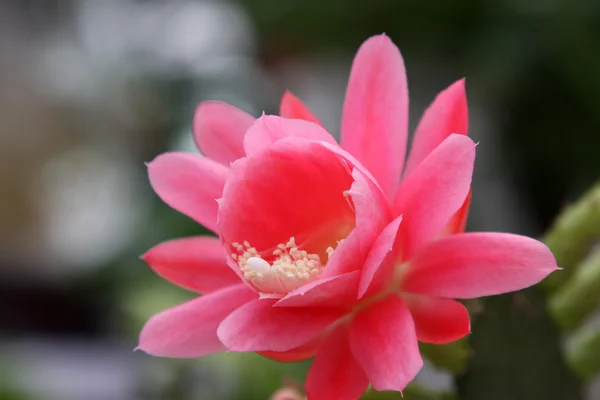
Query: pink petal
pixel 190 329
pixel 384 342
pixel 303 352
pixel 438 320
pixel 335 374
pixel 375 116
pixel 195 263
pixel 293 108
pixel 219 130
pixel 458 222
pixel 446 115
pixel 294 189
pixel 478 264
pixel 286 394
pixel 270 128
pixel 381 259
pixel 258 326
pixel 431 195
pixel 190 184
pixel 372 215
pixel 336 291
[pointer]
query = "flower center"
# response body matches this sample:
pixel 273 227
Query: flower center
pixel 289 268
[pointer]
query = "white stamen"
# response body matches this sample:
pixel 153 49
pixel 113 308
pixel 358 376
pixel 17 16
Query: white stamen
pixel 258 265
pixel 290 269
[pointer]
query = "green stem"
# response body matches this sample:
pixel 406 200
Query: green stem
pixel 583 352
pixel 452 356
pixel 572 236
pixel 580 296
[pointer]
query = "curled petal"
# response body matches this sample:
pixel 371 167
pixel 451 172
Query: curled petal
pixel 375 115
pixel 195 263
pixel 384 342
pixel 258 326
pixel 293 108
pixel 294 189
pixel 190 330
pixel 447 114
pixel 478 264
pixel 432 194
pixel 270 128
pixel 437 320
pixel 190 184
pixel 219 130
pixel 335 374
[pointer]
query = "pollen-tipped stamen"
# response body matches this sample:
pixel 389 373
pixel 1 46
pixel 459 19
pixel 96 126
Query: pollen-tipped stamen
pixel 290 268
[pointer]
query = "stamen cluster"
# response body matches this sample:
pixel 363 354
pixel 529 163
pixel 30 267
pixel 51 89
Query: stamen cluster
pixel 290 269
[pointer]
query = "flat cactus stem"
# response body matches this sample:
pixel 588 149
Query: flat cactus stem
pixel 452 356
pixel 517 352
pixel 579 297
pixel 583 353
pixel 574 233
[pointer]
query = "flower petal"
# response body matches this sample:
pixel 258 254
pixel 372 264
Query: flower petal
pixel 190 184
pixel 446 115
pixel 303 352
pixel 219 130
pixel 375 115
pixel 294 189
pixel 372 215
pixel 258 326
pixel 335 374
pixel 431 195
pixel 381 259
pixel 335 291
pixel 438 321
pixel 190 329
pixel 195 263
pixel 384 342
pixel 270 128
pixel 293 108
pixel 458 222
pixel 472 265
pixel 287 394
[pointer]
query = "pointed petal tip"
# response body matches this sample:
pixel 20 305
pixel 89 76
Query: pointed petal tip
pixel 381 37
pixel 149 164
pixel 381 40
pixel 287 94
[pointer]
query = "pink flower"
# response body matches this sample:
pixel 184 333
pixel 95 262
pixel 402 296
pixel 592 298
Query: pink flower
pixel 324 250
pixel 287 394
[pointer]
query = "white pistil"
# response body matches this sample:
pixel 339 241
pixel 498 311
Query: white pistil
pixel 258 266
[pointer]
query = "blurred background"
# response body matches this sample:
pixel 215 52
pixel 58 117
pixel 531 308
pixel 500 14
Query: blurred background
pixel 90 90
